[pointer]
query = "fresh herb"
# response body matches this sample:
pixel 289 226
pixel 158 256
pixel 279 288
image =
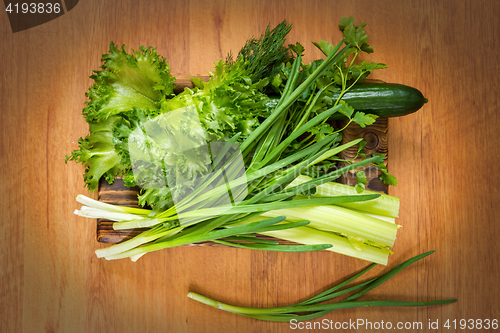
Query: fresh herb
pixel 264 56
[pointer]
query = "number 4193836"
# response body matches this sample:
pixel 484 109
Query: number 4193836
pixel 33 8
pixel 471 324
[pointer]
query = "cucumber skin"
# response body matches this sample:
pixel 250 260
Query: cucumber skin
pixel 383 99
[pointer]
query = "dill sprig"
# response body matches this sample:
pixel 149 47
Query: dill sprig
pixel 265 54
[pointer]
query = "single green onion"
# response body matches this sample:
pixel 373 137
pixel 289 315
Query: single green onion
pixel 312 308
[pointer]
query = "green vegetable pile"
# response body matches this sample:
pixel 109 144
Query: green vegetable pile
pixel 252 151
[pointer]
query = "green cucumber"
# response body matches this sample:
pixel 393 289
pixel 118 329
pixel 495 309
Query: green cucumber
pixel 383 99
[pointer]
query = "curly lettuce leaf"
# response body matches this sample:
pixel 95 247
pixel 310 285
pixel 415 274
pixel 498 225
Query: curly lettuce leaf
pixel 228 103
pixel 138 80
pixel 126 92
pixel 98 153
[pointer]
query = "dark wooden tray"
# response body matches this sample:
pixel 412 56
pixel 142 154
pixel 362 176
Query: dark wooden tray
pixel 118 194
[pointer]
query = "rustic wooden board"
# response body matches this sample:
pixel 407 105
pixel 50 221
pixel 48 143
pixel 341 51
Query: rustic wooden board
pixel 183 81
pixel 375 136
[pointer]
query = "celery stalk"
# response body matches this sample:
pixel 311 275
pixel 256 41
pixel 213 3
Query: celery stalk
pixel 311 236
pixel 344 221
pixel 385 205
pixel 380 217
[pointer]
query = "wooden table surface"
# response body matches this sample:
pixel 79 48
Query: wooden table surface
pixel 445 157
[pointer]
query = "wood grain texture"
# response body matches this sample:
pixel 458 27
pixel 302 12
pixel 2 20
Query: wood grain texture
pixel 183 81
pixel 444 157
pixel 376 136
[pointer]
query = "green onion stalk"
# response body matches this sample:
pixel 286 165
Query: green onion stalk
pixel 315 307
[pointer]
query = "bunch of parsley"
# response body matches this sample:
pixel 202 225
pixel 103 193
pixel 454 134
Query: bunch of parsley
pixel 328 90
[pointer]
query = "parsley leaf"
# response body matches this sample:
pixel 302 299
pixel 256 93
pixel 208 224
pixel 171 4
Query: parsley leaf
pixel 276 81
pixel 346 109
pixel 361 181
pixel 363 119
pixel 297 48
pixel 386 177
pixel 345 21
pixel 325 47
pixel 360 71
pixel 361 148
pixel 355 35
